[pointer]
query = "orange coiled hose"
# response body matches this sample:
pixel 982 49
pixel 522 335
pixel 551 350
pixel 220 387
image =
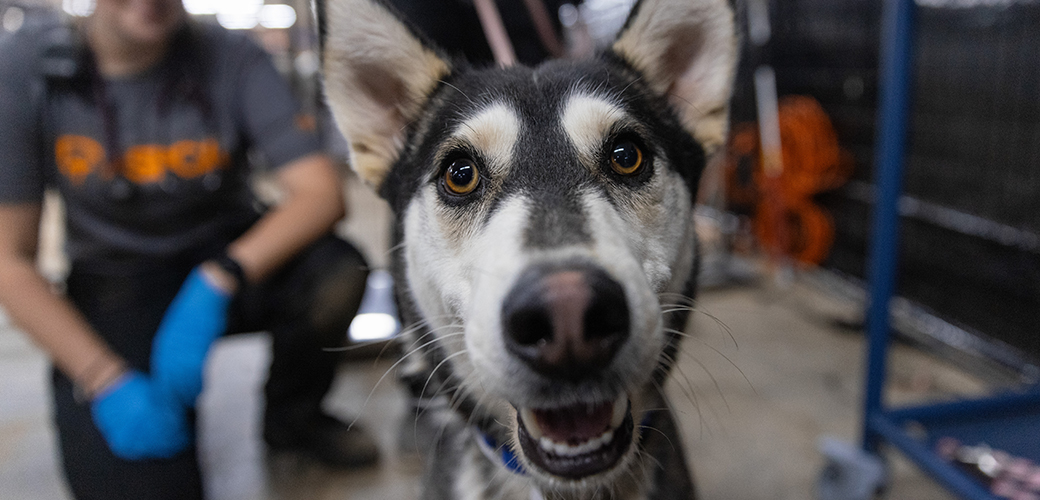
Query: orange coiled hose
pixel 786 220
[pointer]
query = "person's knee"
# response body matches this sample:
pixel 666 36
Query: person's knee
pixel 338 292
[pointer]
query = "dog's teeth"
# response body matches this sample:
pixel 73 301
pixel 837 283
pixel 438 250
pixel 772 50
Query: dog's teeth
pixel 566 450
pixel 531 423
pixel 620 411
pixel 546 444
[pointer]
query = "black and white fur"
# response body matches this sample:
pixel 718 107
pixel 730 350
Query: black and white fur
pixel 543 299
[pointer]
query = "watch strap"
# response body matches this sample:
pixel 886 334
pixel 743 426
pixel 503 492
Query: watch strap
pixel 232 267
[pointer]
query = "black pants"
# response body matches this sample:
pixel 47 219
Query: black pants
pixel 307 307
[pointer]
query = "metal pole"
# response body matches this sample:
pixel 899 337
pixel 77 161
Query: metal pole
pixel 495 32
pixel 896 62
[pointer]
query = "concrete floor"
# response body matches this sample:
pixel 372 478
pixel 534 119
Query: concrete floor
pixel 764 375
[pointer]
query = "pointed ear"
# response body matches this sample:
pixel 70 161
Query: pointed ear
pixel 686 49
pixel 378 76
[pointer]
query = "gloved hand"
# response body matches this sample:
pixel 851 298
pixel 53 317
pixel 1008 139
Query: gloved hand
pixel 195 318
pixel 139 420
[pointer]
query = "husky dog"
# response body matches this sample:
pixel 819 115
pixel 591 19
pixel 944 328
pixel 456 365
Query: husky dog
pixel 543 225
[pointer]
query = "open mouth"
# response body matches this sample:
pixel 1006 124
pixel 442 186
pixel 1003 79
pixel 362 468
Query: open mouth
pixel 576 441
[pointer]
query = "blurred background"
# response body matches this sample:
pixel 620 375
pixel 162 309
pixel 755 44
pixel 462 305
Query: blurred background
pixel 775 367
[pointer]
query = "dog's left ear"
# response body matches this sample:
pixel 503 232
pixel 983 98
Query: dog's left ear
pixel 686 49
pixel 378 76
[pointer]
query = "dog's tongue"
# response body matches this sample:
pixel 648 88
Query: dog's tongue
pixel 575 424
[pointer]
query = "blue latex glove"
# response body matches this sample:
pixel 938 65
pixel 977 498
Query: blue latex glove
pixel 139 420
pixel 195 318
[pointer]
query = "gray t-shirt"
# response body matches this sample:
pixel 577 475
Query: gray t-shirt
pixel 180 182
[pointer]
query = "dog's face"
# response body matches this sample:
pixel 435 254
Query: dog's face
pixel 544 215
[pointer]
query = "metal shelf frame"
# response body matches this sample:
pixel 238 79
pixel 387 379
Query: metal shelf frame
pixel 1008 421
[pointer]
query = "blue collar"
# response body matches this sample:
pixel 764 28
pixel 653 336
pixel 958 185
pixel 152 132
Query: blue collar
pixel 495 452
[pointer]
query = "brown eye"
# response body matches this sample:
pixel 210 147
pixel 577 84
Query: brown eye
pixel 461 177
pixel 626 158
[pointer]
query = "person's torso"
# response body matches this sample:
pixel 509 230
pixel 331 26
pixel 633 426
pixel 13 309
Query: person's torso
pixel 158 173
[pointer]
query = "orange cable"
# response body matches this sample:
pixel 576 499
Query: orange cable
pixel 813 163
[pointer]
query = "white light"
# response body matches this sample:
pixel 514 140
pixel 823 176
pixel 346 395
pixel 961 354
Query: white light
pixel 372 326
pixel 79 8
pixel 243 14
pixel 201 7
pixel 237 21
pixel 989 465
pixel 307 63
pixel 569 15
pixel 13 19
pixel 277 16
pixel 231 14
pixel 604 18
pixel 223 6
pixel 377 315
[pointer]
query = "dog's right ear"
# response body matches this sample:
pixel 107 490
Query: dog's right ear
pixel 687 50
pixel 378 76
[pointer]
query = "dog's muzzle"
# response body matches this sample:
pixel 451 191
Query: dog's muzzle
pixel 567 323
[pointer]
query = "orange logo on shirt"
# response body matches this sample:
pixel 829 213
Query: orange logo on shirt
pixel 190 159
pixel 78 156
pixel 145 164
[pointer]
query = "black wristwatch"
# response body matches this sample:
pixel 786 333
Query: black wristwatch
pixel 232 267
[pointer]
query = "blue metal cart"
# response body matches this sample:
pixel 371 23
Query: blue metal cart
pixel 1008 421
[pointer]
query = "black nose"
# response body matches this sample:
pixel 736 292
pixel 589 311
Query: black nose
pixel 565 321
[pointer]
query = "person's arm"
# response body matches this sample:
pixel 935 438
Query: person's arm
pixel 313 190
pixel 137 419
pixel 313 203
pixel 49 319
